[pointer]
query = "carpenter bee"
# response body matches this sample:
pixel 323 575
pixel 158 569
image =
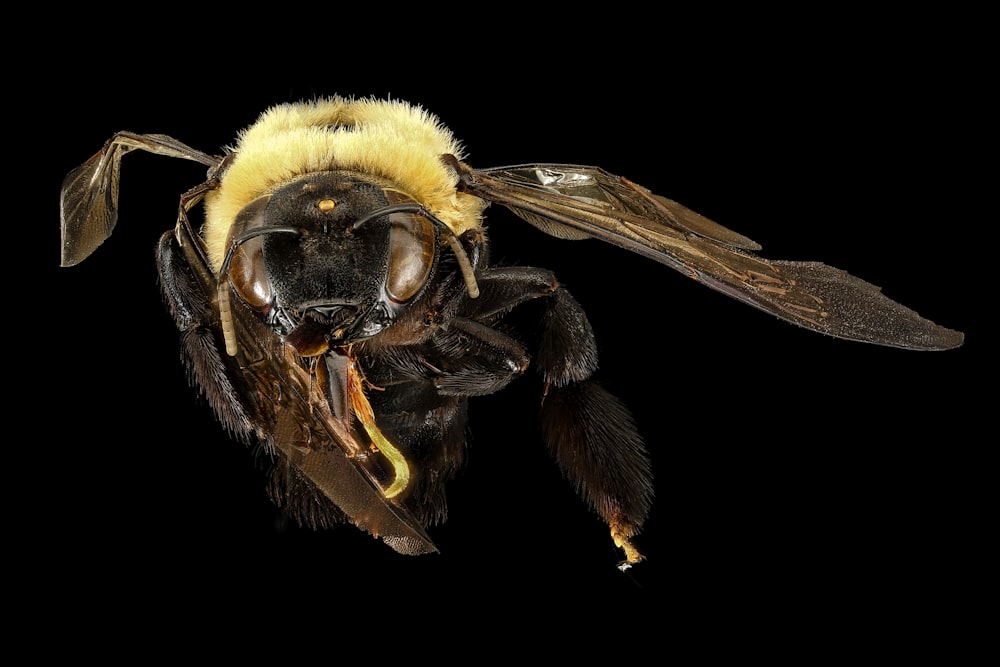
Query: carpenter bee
pixel 338 306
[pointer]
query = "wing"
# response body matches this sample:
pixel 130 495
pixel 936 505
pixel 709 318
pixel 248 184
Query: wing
pixel 575 202
pixel 323 470
pixel 88 204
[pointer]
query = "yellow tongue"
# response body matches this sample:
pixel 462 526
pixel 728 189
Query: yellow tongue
pixel 363 411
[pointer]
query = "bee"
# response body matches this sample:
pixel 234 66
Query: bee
pixel 338 308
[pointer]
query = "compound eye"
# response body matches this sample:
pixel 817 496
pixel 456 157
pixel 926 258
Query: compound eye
pixel 411 255
pixel 247 272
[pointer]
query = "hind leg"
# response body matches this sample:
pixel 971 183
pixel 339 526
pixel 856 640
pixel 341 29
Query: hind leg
pixel 589 431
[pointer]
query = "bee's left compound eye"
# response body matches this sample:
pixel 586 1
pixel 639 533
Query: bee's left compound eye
pixel 411 255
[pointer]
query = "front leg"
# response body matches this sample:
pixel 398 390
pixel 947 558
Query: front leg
pixel 188 287
pixel 463 358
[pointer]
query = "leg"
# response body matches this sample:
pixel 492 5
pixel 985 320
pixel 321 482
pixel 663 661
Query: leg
pixel 590 432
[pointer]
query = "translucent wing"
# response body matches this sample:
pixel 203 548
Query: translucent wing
pixel 321 468
pixel 574 202
pixel 88 204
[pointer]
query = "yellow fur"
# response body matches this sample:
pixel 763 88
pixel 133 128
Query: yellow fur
pixel 386 138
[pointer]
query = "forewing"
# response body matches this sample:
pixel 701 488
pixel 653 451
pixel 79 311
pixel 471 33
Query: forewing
pixel 88 203
pixel 321 461
pixel 571 201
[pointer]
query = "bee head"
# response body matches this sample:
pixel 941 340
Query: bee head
pixel 330 258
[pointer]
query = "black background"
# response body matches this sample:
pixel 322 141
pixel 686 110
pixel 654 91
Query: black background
pixel 805 486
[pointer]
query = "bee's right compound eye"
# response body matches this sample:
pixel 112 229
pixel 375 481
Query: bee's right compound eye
pixel 247 270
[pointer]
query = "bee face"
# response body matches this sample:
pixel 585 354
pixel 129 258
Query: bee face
pixel 318 258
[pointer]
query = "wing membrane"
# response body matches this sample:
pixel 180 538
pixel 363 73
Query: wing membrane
pixel 88 204
pixel 320 450
pixel 572 201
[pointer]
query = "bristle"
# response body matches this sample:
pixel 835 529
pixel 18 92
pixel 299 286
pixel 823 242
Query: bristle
pixel 387 139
